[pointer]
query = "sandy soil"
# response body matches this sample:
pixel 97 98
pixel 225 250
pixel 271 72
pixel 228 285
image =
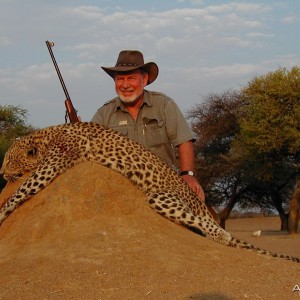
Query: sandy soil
pixel 91 235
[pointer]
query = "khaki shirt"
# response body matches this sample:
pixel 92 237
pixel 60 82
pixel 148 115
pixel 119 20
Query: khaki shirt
pixel 160 125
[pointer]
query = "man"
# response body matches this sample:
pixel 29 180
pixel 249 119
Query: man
pixel 150 118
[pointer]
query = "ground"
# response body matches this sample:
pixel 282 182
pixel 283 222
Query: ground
pixel 91 235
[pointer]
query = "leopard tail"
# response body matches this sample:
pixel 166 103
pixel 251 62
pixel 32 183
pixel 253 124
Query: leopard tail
pixel 236 243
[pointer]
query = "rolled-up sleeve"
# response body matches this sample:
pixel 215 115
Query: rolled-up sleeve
pixel 177 127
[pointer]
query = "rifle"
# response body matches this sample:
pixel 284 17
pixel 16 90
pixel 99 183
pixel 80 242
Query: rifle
pixel 70 110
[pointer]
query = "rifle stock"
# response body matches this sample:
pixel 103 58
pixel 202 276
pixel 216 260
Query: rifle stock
pixel 70 110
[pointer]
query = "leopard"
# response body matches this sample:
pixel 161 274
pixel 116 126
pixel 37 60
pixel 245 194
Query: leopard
pixel 49 152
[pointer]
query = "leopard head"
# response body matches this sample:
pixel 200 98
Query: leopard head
pixel 19 159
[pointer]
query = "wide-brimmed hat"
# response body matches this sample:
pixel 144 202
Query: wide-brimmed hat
pixel 130 60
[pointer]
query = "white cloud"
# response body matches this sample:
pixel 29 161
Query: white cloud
pixel 199 48
pixel 251 7
pixel 235 70
pixel 85 12
pixel 290 19
pixel 256 35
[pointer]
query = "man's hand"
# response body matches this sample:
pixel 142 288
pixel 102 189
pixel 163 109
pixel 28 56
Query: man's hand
pixel 195 186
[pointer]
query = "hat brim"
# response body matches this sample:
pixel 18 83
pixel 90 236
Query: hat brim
pixel 150 68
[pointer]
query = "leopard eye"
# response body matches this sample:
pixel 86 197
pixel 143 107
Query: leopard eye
pixel 32 152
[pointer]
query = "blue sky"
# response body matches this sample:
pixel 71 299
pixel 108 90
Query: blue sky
pixel 200 46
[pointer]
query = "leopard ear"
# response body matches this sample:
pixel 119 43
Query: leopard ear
pixel 32 152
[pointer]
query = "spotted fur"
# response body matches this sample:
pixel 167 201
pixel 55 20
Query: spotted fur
pixel 49 152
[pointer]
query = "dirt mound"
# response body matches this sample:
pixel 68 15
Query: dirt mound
pixel 91 235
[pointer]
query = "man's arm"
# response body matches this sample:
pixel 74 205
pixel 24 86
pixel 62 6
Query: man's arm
pixel 187 163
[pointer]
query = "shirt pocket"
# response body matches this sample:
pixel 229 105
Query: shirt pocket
pixel 155 132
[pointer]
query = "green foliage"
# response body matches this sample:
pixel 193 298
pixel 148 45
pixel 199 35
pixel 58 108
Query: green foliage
pixel 271 123
pixel 248 142
pixel 269 139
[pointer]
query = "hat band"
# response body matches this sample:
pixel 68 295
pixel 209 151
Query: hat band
pixel 127 65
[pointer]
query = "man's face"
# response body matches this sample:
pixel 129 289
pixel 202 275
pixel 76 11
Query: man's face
pixel 130 85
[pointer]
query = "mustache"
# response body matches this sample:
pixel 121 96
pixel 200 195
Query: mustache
pixel 127 90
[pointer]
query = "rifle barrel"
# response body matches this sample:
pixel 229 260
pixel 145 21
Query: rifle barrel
pixel 49 46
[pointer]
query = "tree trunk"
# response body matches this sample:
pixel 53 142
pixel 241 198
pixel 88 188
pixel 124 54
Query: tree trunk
pixel 225 213
pixel 277 201
pixel 294 214
pixel 284 221
pixel 213 213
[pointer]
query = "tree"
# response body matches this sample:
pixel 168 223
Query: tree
pixel 215 123
pixel 243 155
pixel 270 134
pixel 12 125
